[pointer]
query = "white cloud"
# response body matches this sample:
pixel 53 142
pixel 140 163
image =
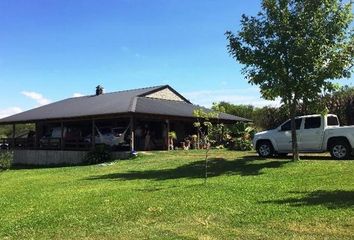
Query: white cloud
pixel 78 95
pixel 39 98
pixel 236 96
pixel 9 111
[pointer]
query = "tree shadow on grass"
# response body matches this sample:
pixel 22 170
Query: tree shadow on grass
pixel 246 166
pixel 162 187
pixel 309 157
pixel 329 199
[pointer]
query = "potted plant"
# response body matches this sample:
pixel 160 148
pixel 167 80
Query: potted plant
pixel 194 141
pixel 171 137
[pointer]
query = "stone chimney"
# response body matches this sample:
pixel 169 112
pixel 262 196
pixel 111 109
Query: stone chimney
pixel 99 90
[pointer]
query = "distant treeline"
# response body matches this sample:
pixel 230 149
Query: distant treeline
pixel 6 130
pixel 340 103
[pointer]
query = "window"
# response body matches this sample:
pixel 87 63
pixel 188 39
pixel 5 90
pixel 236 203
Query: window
pixel 332 121
pixel 287 126
pixel 312 122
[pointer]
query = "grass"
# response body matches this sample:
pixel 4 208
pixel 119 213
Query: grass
pixel 161 195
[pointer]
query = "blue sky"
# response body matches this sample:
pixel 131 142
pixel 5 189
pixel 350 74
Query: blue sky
pixel 53 49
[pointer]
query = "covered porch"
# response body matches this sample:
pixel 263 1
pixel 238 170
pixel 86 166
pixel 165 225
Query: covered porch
pixel 126 121
pixel 121 132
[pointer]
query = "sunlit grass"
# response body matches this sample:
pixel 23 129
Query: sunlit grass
pixel 162 195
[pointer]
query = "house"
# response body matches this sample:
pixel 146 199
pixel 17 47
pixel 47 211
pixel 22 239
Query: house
pixel 65 130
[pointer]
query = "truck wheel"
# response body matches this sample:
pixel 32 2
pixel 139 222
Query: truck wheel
pixel 265 149
pixel 340 150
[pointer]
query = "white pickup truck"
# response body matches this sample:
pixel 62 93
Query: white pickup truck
pixel 315 133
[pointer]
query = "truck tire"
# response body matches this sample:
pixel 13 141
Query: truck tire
pixel 265 149
pixel 340 150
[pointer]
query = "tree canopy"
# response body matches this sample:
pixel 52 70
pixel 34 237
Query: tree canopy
pixel 293 49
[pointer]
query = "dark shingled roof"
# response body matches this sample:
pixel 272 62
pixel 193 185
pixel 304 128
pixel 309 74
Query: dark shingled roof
pixel 129 101
pixel 174 108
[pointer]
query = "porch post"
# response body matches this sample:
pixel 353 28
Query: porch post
pixel 93 134
pixel 13 135
pixel 168 130
pixel 198 139
pixel 62 135
pixel 35 135
pixel 132 135
pixel 222 134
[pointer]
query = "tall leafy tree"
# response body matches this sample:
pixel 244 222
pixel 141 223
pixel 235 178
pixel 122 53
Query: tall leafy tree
pixel 245 111
pixel 293 48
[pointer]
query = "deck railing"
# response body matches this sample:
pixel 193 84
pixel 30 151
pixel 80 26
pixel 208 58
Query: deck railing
pixel 45 143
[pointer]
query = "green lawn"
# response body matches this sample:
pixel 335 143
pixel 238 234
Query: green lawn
pixel 162 195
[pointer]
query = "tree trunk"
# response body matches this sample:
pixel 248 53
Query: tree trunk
pixel 295 148
pixel 206 166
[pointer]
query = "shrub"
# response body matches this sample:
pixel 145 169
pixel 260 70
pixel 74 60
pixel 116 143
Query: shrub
pixel 217 135
pixel 240 136
pixel 243 144
pixel 240 144
pixel 5 160
pixel 101 153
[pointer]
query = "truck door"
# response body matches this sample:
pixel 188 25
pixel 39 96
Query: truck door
pixel 283 136
pixel 312 134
